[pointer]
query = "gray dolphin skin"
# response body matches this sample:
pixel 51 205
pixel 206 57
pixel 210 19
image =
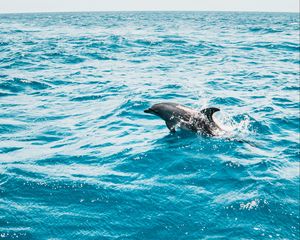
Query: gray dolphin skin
pixel 176 115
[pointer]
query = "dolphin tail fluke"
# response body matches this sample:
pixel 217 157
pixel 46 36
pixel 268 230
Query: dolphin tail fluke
pixel 208 112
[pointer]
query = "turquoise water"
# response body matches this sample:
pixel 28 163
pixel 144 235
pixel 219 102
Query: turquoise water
pixel 81 160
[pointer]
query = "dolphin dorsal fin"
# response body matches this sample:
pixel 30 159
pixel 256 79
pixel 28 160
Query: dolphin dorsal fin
pixel 208 112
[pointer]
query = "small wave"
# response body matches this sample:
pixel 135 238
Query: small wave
pixel 146 42
pixel 90 97
pixel 99 56
pixel 11 128
pixel 20 84
pixel 289 46
pixel 174 41
pixel 3 44
pixel 228 101
pixel 291 88
pixel 9 149
pixel 264 30
pixel 70 59
pixel 5 94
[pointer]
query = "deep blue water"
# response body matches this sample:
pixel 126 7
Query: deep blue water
pixel 79 159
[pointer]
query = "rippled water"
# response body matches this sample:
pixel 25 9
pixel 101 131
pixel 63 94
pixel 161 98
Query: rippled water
pixel 81 160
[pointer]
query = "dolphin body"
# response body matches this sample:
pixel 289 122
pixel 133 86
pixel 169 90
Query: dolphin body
pixel 176 115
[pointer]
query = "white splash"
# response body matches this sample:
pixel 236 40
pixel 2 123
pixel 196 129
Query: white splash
pixel 231 128
pixel 250 205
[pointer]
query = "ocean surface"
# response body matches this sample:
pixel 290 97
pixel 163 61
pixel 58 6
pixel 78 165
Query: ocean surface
pixel 79 159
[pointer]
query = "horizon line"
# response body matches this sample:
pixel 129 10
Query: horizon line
pixel 111 11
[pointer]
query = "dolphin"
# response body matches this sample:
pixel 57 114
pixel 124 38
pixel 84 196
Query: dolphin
pixel 177 115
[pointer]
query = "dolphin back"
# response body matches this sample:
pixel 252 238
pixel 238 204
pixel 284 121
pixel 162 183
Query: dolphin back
pixel 175 114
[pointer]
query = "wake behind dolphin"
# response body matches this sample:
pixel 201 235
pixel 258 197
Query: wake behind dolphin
pixel 177 115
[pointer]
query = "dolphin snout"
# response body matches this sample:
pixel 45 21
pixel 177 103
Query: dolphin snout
pixel 149 110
